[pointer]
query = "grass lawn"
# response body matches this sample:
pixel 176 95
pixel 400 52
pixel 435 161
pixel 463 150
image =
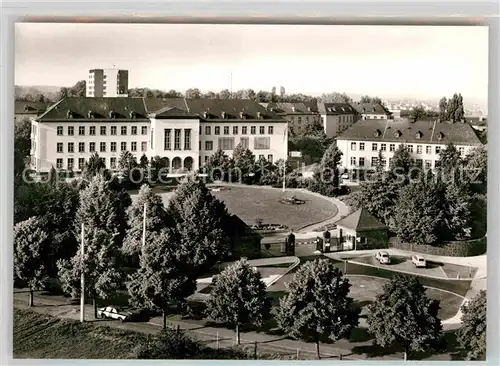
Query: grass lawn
pixel 250 203
pixel 43 336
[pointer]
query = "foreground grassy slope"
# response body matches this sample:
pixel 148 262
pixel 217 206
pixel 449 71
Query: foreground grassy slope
pixel 43 336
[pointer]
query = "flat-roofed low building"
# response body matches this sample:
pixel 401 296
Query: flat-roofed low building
pixel 360 144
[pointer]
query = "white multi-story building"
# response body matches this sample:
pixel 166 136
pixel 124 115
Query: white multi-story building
pixel 107 83
pixel 184 131
pixel 337 117
pixel 298 115
pixel 361 143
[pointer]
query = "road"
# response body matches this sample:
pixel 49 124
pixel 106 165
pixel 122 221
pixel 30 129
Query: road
pixel 211 336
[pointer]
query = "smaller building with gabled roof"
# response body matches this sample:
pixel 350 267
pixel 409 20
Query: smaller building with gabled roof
pixel 361 230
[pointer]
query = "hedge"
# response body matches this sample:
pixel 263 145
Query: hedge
pixel 459 248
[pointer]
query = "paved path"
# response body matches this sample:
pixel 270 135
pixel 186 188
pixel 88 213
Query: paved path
pixel 211 336
pixel 478 282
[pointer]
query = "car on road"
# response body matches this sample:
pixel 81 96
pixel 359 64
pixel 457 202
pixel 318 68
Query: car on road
pixel 383 257
pixel 419 261
pixel 111 312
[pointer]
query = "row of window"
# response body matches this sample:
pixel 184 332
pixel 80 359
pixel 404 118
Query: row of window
pixel 427 164
pixel 392 148
pixel 70 162
pixel 81 163
pixel 235 130
pixel 103 130
pixel 102 146
pixel 167 139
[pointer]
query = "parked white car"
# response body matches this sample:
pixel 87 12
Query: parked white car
pixel 112 313
pixel 383 257
pixel 419 261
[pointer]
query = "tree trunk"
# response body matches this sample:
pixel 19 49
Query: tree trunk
pixel 31 298
pixel 317 349
pixel 164 315
pixel 237 334
pixel 407 352
pixel 94 301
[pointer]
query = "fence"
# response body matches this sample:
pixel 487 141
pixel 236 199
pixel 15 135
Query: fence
pixel 459 248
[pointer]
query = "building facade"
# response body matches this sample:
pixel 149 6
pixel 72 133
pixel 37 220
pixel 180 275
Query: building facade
pixel 361 143
pixel 186 132
pixel 298 115
pixel 372 111
pixel 107 83
pixel 337 117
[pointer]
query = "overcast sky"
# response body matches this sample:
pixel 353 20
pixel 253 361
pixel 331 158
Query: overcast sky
pixel 389 61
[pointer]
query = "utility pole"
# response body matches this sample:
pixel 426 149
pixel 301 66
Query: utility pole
pixel 144 226
pixel 82 290
pixel 231 85
pixel 285 146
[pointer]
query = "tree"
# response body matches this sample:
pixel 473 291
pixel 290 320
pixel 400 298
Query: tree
pixel 327 176
pixel 79 89
pixel 450 160
pixel 102 207
pixel 94 166
pixel 378 197
pixel 63 93
pixel 156 219
pixel 99 265
pixel 476 169
pixel 317 305
pixel 238 297
pixel 419 215
pixel 403 167
pixel 128 167
pixel 225 94
pixel 244 163
pixel 29 241
pixel 55 204
pixel 443 109
pixel 201 225
pixel 336 97
pixel 164 278
pixel 402 315
pixel 159 167
pixel 218 166
pixel 368 99
pixel 472 334
pixel 173 94
pixel 22 147
pixel 193 93
pixel 417 113
pixel 210 95
pixel 143 162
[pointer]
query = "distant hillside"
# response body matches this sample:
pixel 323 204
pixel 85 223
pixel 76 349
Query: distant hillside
pixel 47 91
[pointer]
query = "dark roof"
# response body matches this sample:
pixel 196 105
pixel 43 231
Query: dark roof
pixel 411 132
pixel 361 220
pixel 30 107
pixel 104 109
pixel 216 109
pixel 124 108
pixel 371 108
pixel 291 108
pixel 336 108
